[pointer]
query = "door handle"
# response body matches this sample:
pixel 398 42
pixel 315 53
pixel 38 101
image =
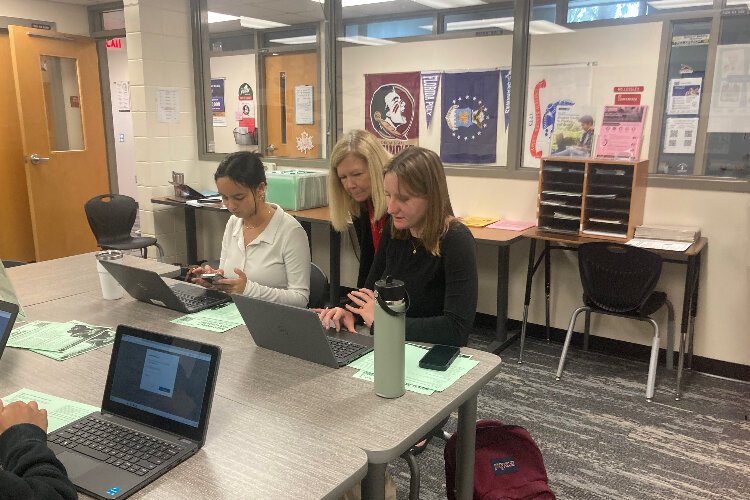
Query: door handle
pixel 36 159
pixel 270 148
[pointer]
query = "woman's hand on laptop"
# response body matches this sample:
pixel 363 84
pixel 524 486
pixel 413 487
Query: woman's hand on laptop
pixel 338 317
pixel 19 412
pixel 363 303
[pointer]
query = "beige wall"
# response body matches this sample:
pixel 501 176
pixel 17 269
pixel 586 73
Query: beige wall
pixel 71 19
pixel 724 218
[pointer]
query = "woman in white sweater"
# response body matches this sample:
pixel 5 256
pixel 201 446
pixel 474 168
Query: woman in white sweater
pixel 264 253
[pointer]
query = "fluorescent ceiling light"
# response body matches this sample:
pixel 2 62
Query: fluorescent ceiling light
pixel 535 27
pixel 449 4
pixel 218 17
pixel 296 40
pixel 365 40
pixel 679 4
pixel 259 24
pixel 353 3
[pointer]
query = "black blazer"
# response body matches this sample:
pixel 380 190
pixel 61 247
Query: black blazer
pixel 366 247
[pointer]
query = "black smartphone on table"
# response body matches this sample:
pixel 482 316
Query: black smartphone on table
pixel 211 277
pixel 439 357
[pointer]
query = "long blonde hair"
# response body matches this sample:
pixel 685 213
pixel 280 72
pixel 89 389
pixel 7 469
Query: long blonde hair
pixel 420 173
pixel 365 146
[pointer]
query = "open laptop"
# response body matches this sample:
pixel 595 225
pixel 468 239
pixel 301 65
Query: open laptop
pixel 8 314
pixel 297 332
pixel 155 411
pixel 147 286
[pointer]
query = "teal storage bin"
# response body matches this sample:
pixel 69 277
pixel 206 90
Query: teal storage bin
pixel 297 189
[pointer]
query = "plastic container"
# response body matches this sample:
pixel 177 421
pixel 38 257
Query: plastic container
pixel 297 189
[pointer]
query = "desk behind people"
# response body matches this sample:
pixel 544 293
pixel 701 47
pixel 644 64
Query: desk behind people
pixel 310 421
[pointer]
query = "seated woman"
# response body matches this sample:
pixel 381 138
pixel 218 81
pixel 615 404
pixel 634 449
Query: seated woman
pixel 428 249
pixel 355 190
pixel 264 252
pixel 28 468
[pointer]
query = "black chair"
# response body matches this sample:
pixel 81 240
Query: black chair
pixel 619 280
pixel 318 287
pixel 111 218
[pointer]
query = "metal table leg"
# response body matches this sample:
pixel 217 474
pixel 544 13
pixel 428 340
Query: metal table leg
pixel 547 281
pixel 191 232
pixel 527 297
pixel 691 285
pixel 467 436
pixel 373 485
pixel 501 332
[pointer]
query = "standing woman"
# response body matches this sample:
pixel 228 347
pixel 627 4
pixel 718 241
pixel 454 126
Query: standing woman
pixel 428 249
pixel 264 251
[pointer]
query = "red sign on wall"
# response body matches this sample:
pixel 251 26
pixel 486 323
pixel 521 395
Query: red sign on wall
pixel 114 43
pixel 633 88
pixel 630 99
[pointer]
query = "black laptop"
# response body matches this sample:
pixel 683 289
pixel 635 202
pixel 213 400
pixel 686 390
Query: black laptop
pixel 147 286
pixel 154 414
pixel 8 314
pixel 298 332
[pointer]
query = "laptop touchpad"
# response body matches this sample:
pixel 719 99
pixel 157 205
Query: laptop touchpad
pixel 77 465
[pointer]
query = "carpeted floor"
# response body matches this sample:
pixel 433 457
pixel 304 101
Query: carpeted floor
pixel 599 436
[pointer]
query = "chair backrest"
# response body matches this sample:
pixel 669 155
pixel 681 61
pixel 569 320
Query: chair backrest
pixel 111 217
pixel 318 287
pixel 617 278
pixel 13 263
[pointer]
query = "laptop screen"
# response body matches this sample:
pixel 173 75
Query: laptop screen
pixel 8 313
pixel 161 381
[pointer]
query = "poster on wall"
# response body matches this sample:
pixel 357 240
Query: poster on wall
pixel 430 86
pixel 245 134
pixel 550 87
pixel 392 109
pixel 217 102
pixel 573 133
pixel 684 97
pixel 303 105
pixel 167 105
pixel 470 110
pixel 680 134
pixel 621 132
pixel 121 95
pixel 505 83
pixel 730 94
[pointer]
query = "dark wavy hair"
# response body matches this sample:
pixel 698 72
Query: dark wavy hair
pixel 243 167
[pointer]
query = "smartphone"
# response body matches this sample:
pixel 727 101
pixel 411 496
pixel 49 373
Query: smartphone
pixel 212 277
pixel 439 357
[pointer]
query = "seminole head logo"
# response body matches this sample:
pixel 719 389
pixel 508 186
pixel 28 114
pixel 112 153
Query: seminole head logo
pixel 392 111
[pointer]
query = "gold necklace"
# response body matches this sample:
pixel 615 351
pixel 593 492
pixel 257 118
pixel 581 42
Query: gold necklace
pixel 414 246
pixel 249 226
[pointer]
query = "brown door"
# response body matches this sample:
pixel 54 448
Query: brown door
pixel 289 81
pixel 16 242
pixel 62 128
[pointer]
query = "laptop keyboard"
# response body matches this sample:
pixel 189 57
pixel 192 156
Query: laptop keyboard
pixel 196 301
pixel 342 349
pixel 114 444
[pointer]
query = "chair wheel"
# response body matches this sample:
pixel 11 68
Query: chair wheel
pixel 648 399
pixel 520 362
pixel 557 378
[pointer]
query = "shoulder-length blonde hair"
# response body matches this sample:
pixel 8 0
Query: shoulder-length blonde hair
pixel 420 173
pixel 365 146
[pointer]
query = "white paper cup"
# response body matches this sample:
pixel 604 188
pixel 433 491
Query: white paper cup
pixel 111 289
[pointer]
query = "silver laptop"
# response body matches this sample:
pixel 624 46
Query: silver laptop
pixel 155 411
pixel 298 332
pixel 8 314
pixel 148 286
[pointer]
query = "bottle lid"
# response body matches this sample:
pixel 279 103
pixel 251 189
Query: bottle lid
pixel 391 290
pixel 108 255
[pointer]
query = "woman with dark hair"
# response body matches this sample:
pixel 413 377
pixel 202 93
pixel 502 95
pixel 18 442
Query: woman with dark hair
pixel 428 249
pixel 264 252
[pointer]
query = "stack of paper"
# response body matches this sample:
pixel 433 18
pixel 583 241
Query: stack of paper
pixel 60 412
pixel 670 233
pixel 419 380
pixel 218 319
pixel 475 221
pixel 60 341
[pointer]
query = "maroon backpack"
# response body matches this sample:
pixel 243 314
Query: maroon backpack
pixel 508 464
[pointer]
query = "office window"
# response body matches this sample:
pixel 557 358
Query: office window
pixel 264 78
pixel 432 78
pixel 113 19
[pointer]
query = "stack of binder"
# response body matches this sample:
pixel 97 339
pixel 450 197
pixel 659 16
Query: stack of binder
pixel 669 233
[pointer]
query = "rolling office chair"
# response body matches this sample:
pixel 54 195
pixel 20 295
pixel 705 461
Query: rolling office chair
pixel 111 218
pixel 318 287
pixel 619 280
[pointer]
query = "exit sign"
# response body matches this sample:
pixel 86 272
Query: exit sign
pixel 114 43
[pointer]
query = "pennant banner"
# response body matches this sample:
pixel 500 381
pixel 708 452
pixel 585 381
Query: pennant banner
pixel 505 82
pixel 430 87
pixel 469 125
pixel 392 109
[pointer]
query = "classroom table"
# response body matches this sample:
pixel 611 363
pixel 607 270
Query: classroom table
pixel 500 238
pixel 691 258
pixel 305 217
pixel 282 399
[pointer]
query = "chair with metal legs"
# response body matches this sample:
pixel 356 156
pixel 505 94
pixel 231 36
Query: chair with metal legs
pixel 619 280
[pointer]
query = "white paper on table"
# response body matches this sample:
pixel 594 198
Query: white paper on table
pixel 674 246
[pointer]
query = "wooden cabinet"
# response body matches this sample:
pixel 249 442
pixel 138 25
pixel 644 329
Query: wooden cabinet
pixel 588 196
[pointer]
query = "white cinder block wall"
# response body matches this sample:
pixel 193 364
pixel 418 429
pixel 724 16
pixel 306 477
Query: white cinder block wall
pixel 160 55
